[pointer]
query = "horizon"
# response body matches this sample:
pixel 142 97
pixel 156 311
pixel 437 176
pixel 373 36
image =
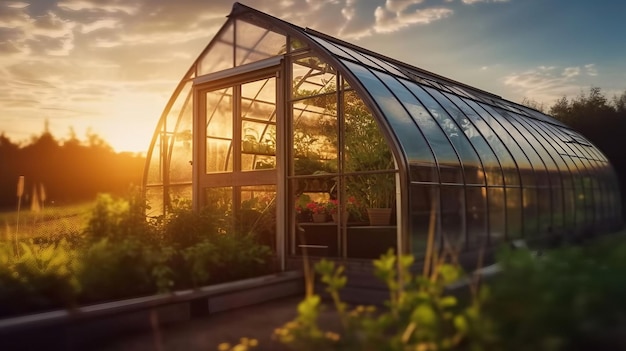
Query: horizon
pixel 110 67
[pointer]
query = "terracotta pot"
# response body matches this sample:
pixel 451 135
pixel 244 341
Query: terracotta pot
pixel 319 217
pixel 379 216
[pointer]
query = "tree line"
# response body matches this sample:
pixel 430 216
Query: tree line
pixel 64 171
pixel 599 118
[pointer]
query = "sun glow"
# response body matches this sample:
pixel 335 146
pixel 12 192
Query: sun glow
pixel 129 121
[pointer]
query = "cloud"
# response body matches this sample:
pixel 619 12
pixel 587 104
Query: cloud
pixel 591 70
pixel 387 21
pixel 548 83
pixel 470 2
pixel 108 6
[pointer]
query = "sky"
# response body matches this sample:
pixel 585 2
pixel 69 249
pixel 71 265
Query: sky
pixel 109 66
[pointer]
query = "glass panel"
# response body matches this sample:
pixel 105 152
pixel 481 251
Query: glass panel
pixel 423 203
pixel 569 195
pixel 531 167
pixel 497 220
pixel 540 146
pixel 465 118
pixel 257 213
pixel 258 100
pixel 219 203
pixel 531 215
pixel 476 217
pixel 473 171
pixel 513 213
pixel 181 146
pixel 155 165
pixel 255 43
pixel 545 209
pixel 373 190
pixel 418 152
pixel 315 138
pixel 180 195
pixel 258 146
pixel 312 76
pixel 330 47
pixel 502 142
pixel 365 147
pixel 449 166
pixel 218 155
pixel 220 56
pixel 154 201
pixel 219 114
pixel 452 217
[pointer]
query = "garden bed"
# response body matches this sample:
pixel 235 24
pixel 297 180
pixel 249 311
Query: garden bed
pixel 69 329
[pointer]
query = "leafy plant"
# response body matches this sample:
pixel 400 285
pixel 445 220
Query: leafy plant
pixel 39 279
pixel 566 299
pixel 419 315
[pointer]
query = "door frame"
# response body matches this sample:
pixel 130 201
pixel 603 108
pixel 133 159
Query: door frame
pixel 272 67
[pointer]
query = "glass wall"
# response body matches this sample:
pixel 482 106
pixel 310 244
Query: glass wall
pixel 342 152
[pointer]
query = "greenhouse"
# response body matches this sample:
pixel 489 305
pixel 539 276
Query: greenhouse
pixel 320 146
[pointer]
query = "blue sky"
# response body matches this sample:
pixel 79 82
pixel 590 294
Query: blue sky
pixel 111 65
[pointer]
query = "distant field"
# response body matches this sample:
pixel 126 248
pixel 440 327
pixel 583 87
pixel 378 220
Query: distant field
pixel 51 220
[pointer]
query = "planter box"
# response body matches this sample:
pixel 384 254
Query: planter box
pixel 76 329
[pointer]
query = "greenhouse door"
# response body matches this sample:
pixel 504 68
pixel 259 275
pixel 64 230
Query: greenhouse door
pixel 235 163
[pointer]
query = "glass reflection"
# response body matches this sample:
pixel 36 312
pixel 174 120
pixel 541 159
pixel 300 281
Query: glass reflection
pixel 219 130
pixel 255 43
pixel 312 76
pixel 220 55
pixel 257 213
pixel 315 138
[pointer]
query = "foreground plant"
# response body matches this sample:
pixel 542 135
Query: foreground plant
pixel 419 314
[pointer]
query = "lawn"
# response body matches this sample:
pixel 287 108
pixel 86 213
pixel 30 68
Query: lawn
pixel 49 221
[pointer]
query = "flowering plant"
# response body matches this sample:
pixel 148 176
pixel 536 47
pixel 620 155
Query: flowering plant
pixel 352 207
pixel 317 207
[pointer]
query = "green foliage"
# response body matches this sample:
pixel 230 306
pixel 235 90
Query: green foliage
pixel 419 315
pixel 117 269
pixel 117 219
pixel 122 254
pixel 568 299
pixel 40 278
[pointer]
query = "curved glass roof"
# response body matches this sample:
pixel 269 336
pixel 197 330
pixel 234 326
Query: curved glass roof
pixel 443 133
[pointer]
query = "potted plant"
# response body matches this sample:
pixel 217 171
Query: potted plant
pixel 319 213
pixel 352 210
pixel 379 197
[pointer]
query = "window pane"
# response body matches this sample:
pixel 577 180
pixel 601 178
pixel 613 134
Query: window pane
pixel 257 213
pixel 423 203
pixel 258 146
pixel 258 100
pixel 365 147
pixel 497 205
pixel 220 56
pixel 476 217
pixel 373 190
pixel 315 135
pixel 219 115
pixel 513 213
pixel 219 202
pixel 449 166
pixel 420 157
pixel 255 43
pixel 218 155
pixel 466 118
pixel 473 170
pixel 452 214
pixel 312 76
